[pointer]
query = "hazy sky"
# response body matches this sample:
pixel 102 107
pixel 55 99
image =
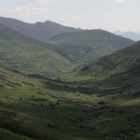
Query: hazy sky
pixel 110 15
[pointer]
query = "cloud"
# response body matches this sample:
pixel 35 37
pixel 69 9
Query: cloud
pixel 1 10
pixel 119 0
pixel 42 14
pixel 47 1
pixel 28 11
pixel 17 10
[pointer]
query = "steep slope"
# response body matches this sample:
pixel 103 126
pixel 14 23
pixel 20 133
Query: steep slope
pixel 39 31
pixel 122 66
pixel 130 35
pixel 90 44
pixel 22 53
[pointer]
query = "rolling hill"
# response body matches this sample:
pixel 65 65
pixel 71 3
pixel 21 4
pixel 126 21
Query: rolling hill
pixel 89 44
pixel 20 52
pixel 39 31
pixel 118 69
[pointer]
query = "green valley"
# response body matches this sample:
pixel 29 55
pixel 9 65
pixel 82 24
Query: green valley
pixel 49 109
pixel 53 91
pixel 22 53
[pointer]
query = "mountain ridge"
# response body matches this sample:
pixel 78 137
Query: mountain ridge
pixel 131 35
pixel 90 44
pixel 40 31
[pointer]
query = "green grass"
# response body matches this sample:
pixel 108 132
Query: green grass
pixel 118 70
pixel 27 55
pixel 7 135
pixel 34 116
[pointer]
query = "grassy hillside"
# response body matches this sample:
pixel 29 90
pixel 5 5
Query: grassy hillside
pixel 27 55
pixel 90 44
pixel 39 31
pixel 22 53
pixel 14 122
pixel 119 69
pixel 57 110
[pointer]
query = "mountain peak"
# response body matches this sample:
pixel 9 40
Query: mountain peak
pixel 48 21
pixel 40 30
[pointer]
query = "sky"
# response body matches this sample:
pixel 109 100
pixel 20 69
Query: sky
pixel 110 15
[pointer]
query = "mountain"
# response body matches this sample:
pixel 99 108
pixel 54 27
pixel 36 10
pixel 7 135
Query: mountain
pixel 22 53
pixel 40 31
pixel 130 35
pixel 89 44
pixel 118 69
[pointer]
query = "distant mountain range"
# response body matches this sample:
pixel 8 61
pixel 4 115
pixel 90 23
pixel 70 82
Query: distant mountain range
pixel 40 31
pixel 131 35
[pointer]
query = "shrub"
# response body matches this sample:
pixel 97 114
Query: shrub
pixel 17 126
pixel 20 98
pixel 101 102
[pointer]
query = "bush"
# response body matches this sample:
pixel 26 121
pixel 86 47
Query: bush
pixel 137 115
pixel 101 102
pixel 17 126
pixel 104 107
pixel 58 103
pixel 20 98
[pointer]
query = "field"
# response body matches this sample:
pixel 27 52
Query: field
pixel 66 110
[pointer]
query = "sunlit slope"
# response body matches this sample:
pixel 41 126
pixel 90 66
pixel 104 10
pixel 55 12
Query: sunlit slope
pixel 122 66
pixel 90 44
pixel 28 55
